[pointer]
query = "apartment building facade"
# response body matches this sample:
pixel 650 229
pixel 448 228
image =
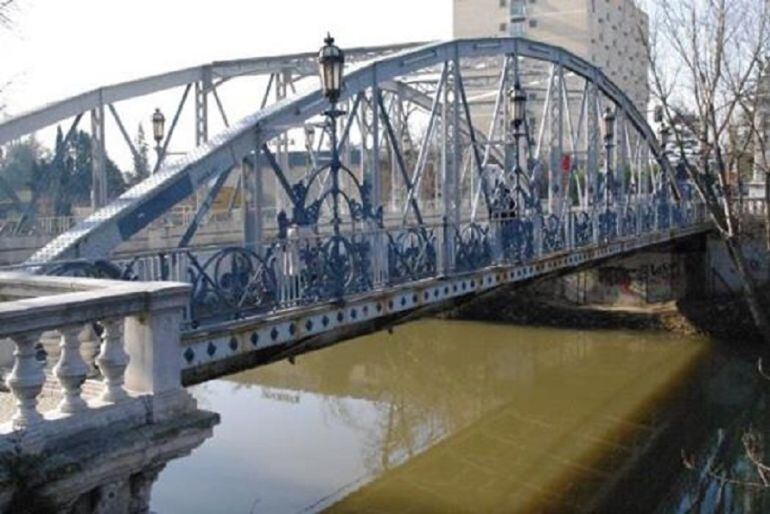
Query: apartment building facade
pixel 611 34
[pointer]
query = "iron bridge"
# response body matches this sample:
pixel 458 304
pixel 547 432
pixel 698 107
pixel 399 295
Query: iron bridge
pixel 438 194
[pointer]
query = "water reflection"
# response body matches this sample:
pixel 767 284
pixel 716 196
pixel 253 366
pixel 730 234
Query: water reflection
pixel 438 417
pixel 725 471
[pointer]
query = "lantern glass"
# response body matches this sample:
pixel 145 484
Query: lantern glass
pixel 609 123
pixel 519 101
pixel 331 64
pixel 158 125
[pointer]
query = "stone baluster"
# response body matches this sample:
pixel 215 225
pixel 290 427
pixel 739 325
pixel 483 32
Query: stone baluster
pixel 89 347
pixel 113 360
pixel 26 380
pixel 71 370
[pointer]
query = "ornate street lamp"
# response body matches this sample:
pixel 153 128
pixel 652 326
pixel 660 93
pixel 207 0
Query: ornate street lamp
pixel 518 105
pixel 158 131
pixel 331 64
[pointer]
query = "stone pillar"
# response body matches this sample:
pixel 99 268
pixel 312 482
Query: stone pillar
pixel 155 357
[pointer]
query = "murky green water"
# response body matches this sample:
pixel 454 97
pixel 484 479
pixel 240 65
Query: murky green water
pixel 455 417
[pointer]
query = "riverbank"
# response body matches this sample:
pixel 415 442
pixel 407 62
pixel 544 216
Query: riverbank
pixel 725 317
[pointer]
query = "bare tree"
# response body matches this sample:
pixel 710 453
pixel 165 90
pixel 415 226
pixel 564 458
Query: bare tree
pixel 706 57
pixel 5 23
pixel 756 110
pixel 5 10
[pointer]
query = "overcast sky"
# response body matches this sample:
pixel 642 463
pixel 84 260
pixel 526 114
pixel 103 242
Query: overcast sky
pixel 62 47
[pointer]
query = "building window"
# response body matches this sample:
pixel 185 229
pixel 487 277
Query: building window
pixel 517 8
pixel 517 28
pixel 533 23
pixel 503 26
pixel 502 3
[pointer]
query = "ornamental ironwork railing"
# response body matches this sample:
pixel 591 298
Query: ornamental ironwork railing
pixel 233 283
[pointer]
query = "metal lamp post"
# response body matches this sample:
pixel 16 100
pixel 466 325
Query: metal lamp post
pixel 331 63
pixel 609 140
pixel 518 102
pixel 310 143
pixel 158 132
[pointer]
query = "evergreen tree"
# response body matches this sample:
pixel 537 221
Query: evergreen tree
pixel 79 190
pixel 59 172
pixel 18 164
pixel 141 158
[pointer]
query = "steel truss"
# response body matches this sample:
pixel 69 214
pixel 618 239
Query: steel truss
pixel 432 179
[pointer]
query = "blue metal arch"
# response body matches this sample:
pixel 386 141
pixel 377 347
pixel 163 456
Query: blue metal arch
pixel 135 209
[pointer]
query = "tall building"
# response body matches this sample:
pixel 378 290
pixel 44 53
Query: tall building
pixel 611 34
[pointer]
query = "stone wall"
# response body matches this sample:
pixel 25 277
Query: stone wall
pixel 657 276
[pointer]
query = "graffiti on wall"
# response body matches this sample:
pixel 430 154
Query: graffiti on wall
pixel 645 279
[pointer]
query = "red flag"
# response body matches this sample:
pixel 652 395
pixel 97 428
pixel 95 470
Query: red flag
pixel 566 163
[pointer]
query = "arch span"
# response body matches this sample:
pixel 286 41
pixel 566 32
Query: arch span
pixel 120 220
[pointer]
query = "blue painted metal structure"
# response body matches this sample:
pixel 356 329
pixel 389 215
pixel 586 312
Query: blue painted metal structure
pixel 334 243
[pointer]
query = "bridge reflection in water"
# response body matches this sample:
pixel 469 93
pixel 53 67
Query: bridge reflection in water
pixel 439 416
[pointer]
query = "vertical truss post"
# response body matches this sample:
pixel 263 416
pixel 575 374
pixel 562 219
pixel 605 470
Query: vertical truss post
pixel 621 157
pixel 282 141
pixel 98 159
pixel 508 139
pixel 252 199
pixel 457 147
pixel 395 189
pixel 373 175
pixel 444 155
pixel 592 156
pixel 451 161
pixel 556 125
pixel 202 107
pixel 373 179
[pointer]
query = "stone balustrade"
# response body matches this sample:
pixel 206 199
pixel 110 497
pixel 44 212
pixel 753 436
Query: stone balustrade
pixel 121 339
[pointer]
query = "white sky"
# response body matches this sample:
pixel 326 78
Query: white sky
pixel 59 48
pixel 63 47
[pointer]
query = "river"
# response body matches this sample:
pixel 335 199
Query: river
pixel 454 416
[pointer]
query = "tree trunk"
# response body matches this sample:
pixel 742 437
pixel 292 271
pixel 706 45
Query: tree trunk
pixel 767 209
pixel 752 298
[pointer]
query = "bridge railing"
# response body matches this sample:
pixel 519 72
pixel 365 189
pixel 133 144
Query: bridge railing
pixel 116 357
pixel 311 266
pixel 48 225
